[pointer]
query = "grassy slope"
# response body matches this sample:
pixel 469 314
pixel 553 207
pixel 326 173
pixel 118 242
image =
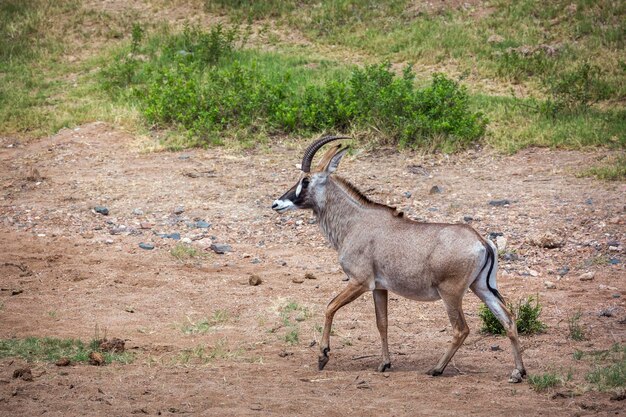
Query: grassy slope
pixel 50 83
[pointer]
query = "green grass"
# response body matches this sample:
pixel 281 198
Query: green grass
pixel 55 73
pixel 544 381
pixel 612 375
pixel 207 324
pixel 575 330
pixel 47 349
pixel 527 314
pixel 613 169
pixel 204 354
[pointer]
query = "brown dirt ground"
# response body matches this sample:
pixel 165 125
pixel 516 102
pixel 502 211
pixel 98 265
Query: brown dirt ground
pixel 79 270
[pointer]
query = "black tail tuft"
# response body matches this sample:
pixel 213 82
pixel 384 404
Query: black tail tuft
pixel 491 257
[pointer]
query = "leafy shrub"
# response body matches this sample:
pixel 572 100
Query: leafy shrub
pixel 527 318
pixel 576 89
pixel 201 83
pixel 575 330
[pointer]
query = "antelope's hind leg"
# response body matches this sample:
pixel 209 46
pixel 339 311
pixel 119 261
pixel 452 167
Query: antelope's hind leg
pixel 453 304
pixel 380 305
pixel 349 294
pixel 505 317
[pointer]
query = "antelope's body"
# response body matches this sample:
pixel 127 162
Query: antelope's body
pixel 381 251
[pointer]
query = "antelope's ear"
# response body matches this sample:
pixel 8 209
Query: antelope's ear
pixel 334 161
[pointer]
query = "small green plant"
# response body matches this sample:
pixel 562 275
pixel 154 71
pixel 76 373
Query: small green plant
pixel 48 349
pixel 578 354
pixel 184 252
pixel 612 375
pixel 204 354
pixel 292 337
pixel 575 330
pixel 527 314
pixel 544 381
pixel 206 324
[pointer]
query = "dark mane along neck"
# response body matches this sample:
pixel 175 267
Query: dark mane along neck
pixel 358 196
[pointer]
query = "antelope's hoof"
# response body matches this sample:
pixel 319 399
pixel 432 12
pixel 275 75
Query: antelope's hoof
pixel 516 377
pixel 323 359
pixel 384 366
pixel 434 372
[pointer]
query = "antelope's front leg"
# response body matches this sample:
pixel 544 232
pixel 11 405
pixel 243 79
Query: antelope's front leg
pixel 349 294
pixel 380 305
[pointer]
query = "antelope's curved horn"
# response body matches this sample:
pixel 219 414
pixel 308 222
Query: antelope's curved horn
pixel 309 153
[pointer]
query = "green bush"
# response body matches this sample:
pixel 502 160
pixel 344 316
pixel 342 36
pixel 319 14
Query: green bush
pixel 527 318
pixel 203 84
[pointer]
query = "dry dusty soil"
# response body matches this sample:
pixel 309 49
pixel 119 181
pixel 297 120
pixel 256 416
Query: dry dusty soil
pixel 69 272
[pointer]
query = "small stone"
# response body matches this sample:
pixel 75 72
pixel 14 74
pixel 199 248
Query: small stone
pixel 138 212
pixel 435 189
pixel 547 240
pixel 297 280
pixel 284 353
pixel 63 362
pixel 201 224
pixel 96 358
pixel 256 407
pixel 16 292
pixel 221 248
pixel 146 246
pixel 309 275
pixel 499 203
pixel 101 210
pixel 614 248
pixel 494 348
pixel 501 243
pixel 549 285
pixel 533 273
pixel 510 257
pixel 407 194
pixel 563 271
pixel 108 242
pixel 467 219
pixel 146 225
pixel 587 276
pixel 254 280
pixel 179 210
pixel 186 240
pixel 613 261
pixel 255 261
pixel 24 374
pixel 174 236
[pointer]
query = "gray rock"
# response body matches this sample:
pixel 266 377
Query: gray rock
pixel 499 203
pixel 138 212
pixel 435 189
pixel 407 194
pixel 467 219
pixel 101 210
pixel 563 271
pixel 221 248
pixel 175 236
pixel 146 246
pixel 201 224
pixel 179 210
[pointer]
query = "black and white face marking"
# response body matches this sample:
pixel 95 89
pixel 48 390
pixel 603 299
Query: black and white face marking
pixel 294 198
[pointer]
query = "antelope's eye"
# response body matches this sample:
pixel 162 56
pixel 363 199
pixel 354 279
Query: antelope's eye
pixel 305 182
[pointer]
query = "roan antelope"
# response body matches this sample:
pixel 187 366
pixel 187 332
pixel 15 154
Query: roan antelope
pixel 380 250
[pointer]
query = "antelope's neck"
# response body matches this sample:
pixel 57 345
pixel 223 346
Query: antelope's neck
pixel 338 212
